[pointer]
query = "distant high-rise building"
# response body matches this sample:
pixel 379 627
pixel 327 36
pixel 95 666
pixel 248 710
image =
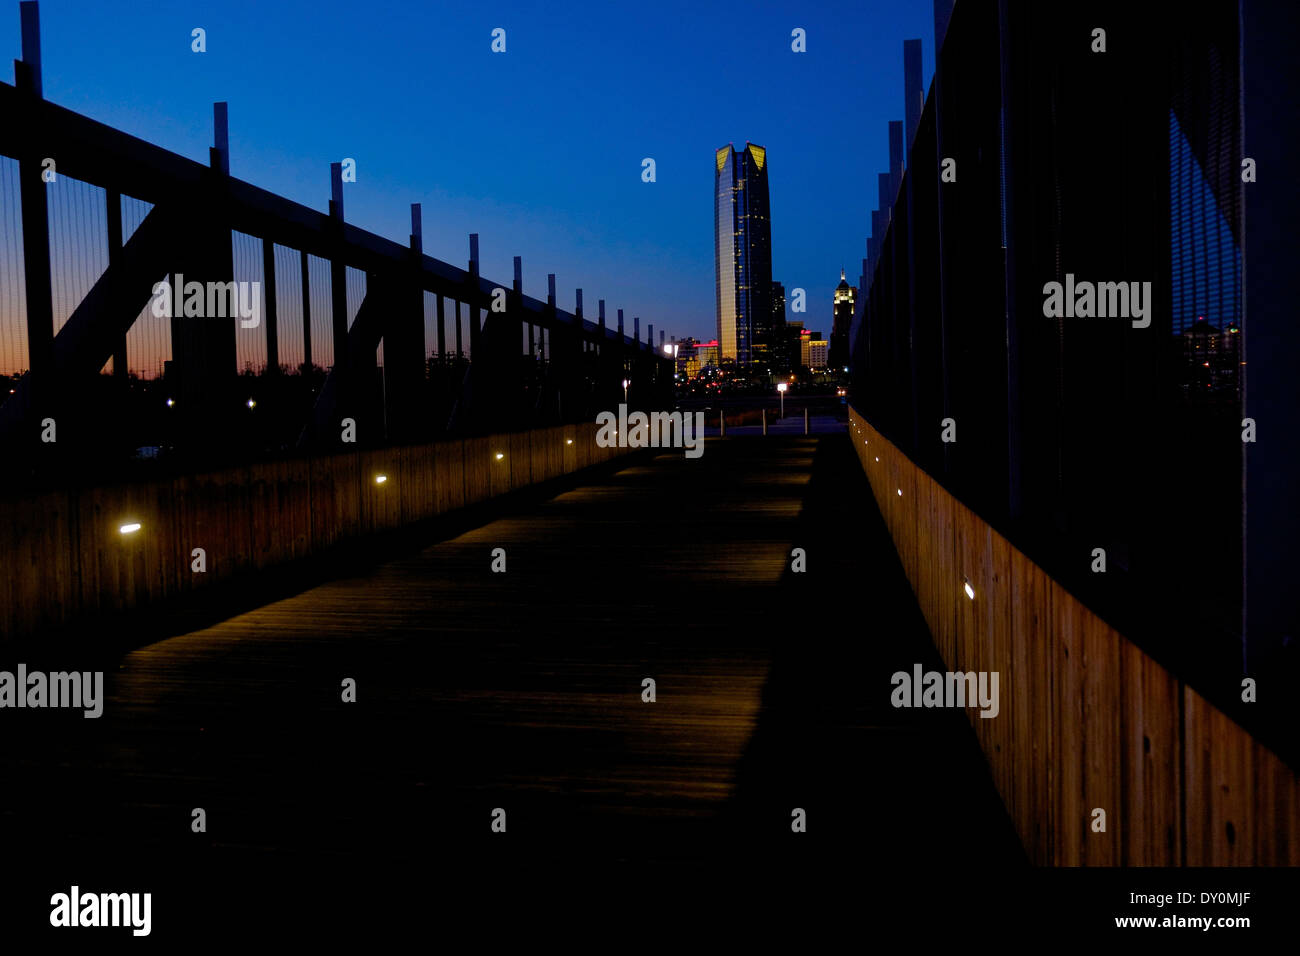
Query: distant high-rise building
pixel 817 353
pixel 791 357
pixel 845 296
pixel 780 348
pixel 707 353
pixel 808 341
pixel 742 246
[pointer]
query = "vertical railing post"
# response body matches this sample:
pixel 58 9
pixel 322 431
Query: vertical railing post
pixel 460 342
pixel 551 316
pixel 113 213
pixel 404 343
pixel 306 312
pixel 516 371
pixel 221 136
pixel 29 13
pixel 270 313
pixel 605 368
pixel 205 347
pixel 338 272
pixel 35 210
pixel 532 344
pixel 472 298
pixel 442 331
pixel 477 395
pixel 418 344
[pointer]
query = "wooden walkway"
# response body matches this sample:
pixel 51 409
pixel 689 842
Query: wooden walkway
pixel 523 691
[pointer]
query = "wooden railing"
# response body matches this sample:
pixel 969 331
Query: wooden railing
pixel 1087 720
pixel 65 556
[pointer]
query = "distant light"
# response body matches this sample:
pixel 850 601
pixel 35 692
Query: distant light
pixel 380 479
pixel 970 591
pixel 129 528
pixel 171 402
pixel 251 403
pixel 668 350
pixel 500 455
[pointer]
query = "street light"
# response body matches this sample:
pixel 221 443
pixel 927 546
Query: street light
pixel 781 387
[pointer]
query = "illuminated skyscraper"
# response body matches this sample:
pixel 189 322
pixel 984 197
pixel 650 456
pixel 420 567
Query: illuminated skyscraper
pixel 742 246
pixel 845 295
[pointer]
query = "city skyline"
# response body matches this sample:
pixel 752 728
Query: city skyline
pixel 517 175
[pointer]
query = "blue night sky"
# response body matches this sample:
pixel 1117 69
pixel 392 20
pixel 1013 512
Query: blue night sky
pixel 538 149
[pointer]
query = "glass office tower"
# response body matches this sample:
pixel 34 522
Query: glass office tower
pixel 742 246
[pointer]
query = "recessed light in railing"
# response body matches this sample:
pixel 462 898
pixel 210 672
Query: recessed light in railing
pixel 130 528
pixel 380 479
pixel 568 441
pixel 900 492
pixel 970 591
pixel 500 455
